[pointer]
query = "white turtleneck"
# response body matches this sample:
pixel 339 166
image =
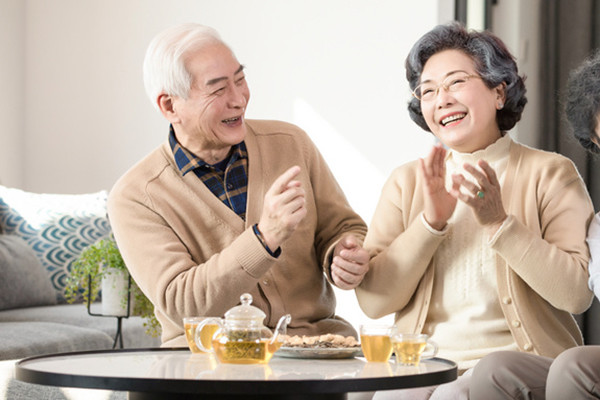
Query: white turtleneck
pixel 465 318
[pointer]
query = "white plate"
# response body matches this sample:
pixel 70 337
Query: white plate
pixel 323 352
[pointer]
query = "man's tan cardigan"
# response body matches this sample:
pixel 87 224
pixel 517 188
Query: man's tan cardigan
pixel 193 256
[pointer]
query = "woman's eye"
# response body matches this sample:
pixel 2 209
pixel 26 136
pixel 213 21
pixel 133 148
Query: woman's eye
pixel 457 81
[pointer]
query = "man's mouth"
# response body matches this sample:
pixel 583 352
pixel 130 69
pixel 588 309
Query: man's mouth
pixel 231 121
pixel 451 118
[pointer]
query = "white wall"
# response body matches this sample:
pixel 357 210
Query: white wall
pixel 517 23
pixel 12 112
pixel 334 67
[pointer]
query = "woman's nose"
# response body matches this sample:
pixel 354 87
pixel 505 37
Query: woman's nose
pixel 443 97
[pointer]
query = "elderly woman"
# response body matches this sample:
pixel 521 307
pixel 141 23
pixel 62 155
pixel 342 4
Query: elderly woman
pixel 481 244
pixel 575 373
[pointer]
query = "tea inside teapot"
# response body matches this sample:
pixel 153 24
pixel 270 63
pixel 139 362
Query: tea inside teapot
pixel 243 339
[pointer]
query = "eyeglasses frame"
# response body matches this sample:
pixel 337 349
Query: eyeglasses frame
pixel 444 85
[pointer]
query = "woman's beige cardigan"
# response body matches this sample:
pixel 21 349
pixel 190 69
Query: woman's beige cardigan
pixel 541 252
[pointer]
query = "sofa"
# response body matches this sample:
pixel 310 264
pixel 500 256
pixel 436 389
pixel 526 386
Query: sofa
pixel 40 236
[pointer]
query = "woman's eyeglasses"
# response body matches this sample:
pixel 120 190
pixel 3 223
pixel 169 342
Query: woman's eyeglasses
pixel 428 91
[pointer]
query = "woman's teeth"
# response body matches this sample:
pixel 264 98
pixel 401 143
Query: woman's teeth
pixel 452 118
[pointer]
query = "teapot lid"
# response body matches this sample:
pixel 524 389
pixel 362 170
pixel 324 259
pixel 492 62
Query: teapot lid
pixel 245 311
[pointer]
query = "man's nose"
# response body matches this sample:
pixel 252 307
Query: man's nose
pixel 237 97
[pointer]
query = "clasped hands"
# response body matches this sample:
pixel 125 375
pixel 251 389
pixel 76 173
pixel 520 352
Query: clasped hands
pixel 283 210
pixel 484 197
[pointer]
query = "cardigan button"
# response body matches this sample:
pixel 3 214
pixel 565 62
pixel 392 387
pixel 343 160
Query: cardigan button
pixel 516 323
pixel 507 300
pixel 528 347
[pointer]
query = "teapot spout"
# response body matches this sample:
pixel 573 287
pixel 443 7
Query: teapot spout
pixel 281 327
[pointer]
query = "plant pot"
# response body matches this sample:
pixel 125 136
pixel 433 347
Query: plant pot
pixel 114 292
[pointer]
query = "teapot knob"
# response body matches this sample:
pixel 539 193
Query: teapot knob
pixel 246 299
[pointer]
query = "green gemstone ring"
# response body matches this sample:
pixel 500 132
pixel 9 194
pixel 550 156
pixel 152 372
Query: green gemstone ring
pixel 480 194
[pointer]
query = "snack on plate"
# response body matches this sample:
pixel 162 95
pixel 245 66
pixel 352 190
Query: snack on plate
pixel 323 341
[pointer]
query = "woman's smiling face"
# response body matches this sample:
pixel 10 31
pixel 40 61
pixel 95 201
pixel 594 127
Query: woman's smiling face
pixel 463 119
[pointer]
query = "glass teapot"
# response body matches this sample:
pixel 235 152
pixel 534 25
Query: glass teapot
pixel 241 338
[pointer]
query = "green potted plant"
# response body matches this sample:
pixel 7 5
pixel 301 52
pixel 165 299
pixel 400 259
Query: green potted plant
pixel 98 262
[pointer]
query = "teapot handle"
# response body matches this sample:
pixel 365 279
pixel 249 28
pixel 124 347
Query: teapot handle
pixel 198 333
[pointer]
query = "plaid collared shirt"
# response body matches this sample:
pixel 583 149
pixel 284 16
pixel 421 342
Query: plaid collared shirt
pixel 229 185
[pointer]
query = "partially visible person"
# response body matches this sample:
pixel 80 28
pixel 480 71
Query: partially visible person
pixel 227 205
pixel 575 373
pixel 480 245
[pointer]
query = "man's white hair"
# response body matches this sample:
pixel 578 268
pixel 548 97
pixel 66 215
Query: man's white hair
pixel 165 71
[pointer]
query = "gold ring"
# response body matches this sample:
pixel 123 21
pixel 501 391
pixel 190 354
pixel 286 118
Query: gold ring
pixel 480 194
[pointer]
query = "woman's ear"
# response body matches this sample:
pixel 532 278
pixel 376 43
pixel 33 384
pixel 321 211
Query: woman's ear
pixel 500 96
pixel 166 105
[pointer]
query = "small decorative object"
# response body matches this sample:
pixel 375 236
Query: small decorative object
pixel 115 284
pixel 98 262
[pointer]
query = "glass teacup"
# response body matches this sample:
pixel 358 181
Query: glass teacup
pixel 375 342
pixel 411 348
pixel 190 324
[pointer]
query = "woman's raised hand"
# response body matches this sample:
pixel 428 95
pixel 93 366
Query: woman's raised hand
pixel 439 203
pixel 484 197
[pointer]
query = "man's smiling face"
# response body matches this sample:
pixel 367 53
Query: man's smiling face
pixel 212 117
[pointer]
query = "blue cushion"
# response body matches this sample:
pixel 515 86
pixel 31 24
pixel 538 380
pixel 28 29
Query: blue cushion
pixel 56 226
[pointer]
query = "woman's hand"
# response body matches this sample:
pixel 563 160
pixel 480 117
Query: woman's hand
pixel 484 198
pixel 439 203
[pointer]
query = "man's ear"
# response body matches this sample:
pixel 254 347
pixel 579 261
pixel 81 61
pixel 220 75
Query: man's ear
pixel 166 105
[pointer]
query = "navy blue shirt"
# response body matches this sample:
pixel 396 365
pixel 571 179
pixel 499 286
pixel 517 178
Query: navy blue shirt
pixel 228 179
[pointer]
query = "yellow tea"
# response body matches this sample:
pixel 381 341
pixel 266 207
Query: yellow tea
pixel 409 352
pixel 205 336
pixel 376 348
pixel 245 352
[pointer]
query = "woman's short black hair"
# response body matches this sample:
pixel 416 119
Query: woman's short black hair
pixel 582 103
pixel 493 62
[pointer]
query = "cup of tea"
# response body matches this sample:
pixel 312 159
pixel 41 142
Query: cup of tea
pixel 190 324
pixel 410 348
pixel 376 343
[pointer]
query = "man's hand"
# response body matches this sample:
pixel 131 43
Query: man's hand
pixel 350 263
pixel 283 209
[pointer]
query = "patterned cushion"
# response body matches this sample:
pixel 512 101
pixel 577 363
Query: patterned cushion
pixel 56 226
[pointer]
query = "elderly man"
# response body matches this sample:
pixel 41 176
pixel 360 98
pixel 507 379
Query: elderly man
pixel 227 205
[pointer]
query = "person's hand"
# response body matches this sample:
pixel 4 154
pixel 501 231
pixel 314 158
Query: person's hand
pixel 439 203
pixel 283 209
pixel 484 198
pixel 350 263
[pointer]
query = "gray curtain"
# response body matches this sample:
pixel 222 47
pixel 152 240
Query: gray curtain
pixel 570 32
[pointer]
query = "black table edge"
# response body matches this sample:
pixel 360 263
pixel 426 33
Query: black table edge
pixel 236 387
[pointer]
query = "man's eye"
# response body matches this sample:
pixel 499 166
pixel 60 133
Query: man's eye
pixel 240 80
pixel 219 91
